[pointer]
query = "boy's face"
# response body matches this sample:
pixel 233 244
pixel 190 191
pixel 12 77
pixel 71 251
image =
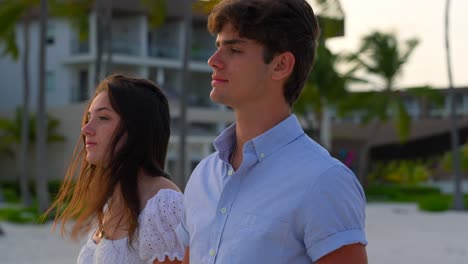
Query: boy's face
pixel 240 76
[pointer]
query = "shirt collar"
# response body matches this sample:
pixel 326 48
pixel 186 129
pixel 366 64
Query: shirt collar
pixel 265 144
pixel 277 137
pixel 225 142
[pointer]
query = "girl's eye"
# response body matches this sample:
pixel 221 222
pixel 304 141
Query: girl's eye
pixel 103 118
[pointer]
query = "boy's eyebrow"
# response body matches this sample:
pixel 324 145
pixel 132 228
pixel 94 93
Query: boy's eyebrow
pixel 230 42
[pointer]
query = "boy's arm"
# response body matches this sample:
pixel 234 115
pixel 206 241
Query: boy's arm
pixel 352 254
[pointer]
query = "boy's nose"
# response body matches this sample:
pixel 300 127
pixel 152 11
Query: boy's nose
pixel 215 60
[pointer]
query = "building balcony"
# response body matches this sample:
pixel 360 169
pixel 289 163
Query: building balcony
pixel 125 47
pixel 79 47
pixel 165 52
pixel 201 54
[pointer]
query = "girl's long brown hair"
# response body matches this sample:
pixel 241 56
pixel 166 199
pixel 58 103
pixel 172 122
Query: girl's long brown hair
pixel 145 121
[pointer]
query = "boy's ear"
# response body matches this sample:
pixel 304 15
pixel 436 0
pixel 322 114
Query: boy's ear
pixel 283 65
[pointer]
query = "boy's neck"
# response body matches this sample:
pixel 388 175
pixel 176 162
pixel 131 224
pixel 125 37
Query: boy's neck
pixel 250 124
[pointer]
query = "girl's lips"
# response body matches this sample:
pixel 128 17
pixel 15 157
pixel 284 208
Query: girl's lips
pixel 90 144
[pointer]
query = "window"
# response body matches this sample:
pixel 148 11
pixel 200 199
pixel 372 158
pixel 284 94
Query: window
pixel 50 81
pixel 50 37
pixel 82 93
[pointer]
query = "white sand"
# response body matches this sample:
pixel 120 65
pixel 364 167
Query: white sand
pixel 397 234
pixel 23 244
pixel 400 234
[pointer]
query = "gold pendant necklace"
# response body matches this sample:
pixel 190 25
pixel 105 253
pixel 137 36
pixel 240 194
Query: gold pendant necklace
pixel 101 234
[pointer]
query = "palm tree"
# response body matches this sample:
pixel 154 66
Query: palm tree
pixel 157 15
pixel 324 89
pixel 12 137
pixel 325 85
pixel 101 38
pixel 458 194
pixel 41 150
pixel 10 131
pixel 11 12
pixel 380 56
pixel 186 54
pixel 25 194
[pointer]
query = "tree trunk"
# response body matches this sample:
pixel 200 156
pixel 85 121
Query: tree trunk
pixel 24 142
pixel 99 41
pixel 41 151
pixel 325 128
pixel 183 95
pixel 458 194
pixel 107 36
pixel 364 157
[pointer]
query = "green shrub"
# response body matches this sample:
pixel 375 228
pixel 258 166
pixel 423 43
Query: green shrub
pixel 10 195
pixel 54 187
pixel 435 203
pixel 428 198
pixel 398 193
pixel 447 159
pixel 20 215
pixel 406 172
pixel 465 200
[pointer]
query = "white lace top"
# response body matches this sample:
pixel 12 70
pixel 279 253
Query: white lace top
pixel 155 236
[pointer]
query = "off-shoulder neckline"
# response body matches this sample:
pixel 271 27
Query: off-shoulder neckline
pixel 141 213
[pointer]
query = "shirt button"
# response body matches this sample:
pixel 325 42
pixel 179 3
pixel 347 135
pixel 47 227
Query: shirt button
pixel 212 253
pixel 230 172
pixel 223 210
pixel 262 155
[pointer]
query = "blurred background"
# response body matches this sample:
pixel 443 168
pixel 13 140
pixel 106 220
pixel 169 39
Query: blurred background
pixel 388 96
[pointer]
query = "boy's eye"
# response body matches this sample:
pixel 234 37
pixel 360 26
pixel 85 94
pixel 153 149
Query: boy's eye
pixel 235 50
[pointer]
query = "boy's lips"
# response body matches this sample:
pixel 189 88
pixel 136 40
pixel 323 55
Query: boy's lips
pixel 217 80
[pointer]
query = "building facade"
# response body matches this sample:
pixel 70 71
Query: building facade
pixel 156 54
pixel 137 50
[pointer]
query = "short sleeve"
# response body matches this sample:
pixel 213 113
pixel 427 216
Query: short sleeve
pixel 158 221
pixel 182 232
pixel 334 210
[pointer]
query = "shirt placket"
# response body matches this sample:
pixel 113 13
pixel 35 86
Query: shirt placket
pixel 223 209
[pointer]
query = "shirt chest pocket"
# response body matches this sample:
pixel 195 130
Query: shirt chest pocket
pixel 259 238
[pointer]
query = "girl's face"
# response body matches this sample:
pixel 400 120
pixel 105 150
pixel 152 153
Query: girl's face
pixel 102 121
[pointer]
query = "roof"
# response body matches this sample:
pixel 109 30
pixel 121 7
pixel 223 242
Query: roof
pixel 131 7
pixel 386 133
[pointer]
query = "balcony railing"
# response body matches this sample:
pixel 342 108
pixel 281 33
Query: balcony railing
pixel 166 52
pixel 79 47
pixel 118 47
pixel 125 47
pixel 202 54
pixel 79 94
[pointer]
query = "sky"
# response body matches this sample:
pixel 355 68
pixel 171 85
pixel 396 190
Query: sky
pixel 423 19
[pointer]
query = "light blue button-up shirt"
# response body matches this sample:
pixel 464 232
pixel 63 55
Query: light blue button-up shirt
pixel 288 202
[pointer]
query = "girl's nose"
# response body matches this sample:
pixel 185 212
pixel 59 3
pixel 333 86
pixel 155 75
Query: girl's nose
pixel 87 129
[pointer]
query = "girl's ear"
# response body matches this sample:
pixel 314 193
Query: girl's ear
pixel 283 65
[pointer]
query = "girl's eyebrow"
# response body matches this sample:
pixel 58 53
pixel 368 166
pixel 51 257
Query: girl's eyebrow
pixel 104 108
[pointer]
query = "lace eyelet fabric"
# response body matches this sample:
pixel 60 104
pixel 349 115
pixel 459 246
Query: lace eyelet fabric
pixel 155 237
